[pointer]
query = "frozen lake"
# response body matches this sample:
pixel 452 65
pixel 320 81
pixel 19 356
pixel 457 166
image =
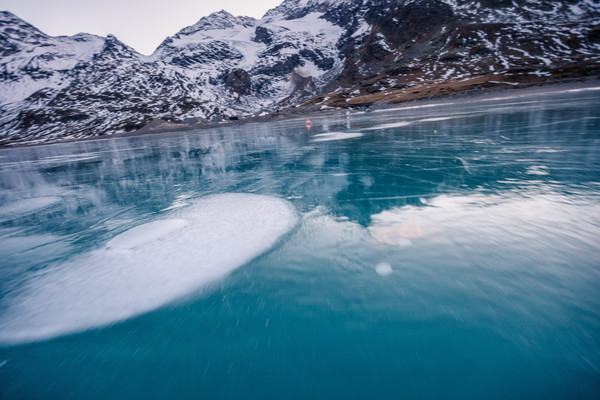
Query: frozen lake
pixel 446 250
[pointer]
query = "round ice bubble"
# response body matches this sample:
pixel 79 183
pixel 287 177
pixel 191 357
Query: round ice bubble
pixel 383 269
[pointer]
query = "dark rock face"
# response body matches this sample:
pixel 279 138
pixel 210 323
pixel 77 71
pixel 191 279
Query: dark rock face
pixel 594 35
pixel 466 37
pixel 316 56
pixel 238 80
pixel 213 51
pixel 396 27
pixel 412 21
pixel 496 3
pixel 263 35
pixel 283 67
pixel 375 48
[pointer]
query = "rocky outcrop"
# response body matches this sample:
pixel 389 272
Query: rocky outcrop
pixel 238 80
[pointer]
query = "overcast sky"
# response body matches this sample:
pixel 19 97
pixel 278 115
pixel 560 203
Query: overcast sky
pixel 141 24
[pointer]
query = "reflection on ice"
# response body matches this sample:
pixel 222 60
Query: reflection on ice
pixel 147 266
pixel 524 217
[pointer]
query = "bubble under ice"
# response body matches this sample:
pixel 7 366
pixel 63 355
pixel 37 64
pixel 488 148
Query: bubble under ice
pixel 383 269
pixel 147 267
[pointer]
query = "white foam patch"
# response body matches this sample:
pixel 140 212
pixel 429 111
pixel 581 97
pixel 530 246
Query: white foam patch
pixel 325 137
pixel 147 267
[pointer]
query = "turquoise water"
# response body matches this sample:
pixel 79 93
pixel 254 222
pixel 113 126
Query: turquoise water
pixel 443 251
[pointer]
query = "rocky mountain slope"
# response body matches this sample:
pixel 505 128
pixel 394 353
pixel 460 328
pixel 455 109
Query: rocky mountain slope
pixel 320 53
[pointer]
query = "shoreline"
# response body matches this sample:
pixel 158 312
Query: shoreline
pixel 307 110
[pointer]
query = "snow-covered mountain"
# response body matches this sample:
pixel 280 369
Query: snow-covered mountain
pixel 396 45
pixel 329 52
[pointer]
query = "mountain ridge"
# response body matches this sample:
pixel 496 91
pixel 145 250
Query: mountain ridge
pixel 316 53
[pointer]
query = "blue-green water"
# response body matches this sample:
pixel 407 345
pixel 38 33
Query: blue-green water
pixel 449 251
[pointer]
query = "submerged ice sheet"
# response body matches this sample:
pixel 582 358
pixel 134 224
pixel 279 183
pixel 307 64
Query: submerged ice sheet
pixel 147 266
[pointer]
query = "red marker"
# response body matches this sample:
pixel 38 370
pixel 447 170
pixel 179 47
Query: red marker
pixel 308 121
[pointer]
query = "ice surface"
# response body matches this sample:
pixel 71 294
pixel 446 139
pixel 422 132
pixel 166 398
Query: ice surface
pixel 325 137
pixel 400 124
pixel 146 267
pixel 537 170
pixel 387 126
pixel 28 205
pixel 582 89
pixel 412 107
pixel 18 245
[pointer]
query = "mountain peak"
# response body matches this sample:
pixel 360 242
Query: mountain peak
pixel 114 48
pixel 292 7
pixel 218 20
pixel 13 27
pixel 7 16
